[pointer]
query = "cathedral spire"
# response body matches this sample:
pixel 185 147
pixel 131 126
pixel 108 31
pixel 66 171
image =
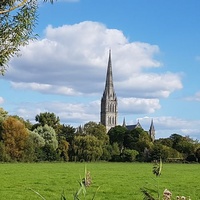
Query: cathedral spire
pixel 109 88
pixel 124 122
pixel 152 131
pixel 109 99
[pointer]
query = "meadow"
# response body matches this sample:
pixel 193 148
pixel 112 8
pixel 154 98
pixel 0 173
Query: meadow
pixel 117 181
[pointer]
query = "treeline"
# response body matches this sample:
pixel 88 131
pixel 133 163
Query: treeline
pixel 49 140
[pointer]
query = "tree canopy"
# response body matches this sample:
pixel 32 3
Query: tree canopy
pixel 17 21
pixel 50 140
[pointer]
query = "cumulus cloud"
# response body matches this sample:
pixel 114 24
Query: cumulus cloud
pixel 150 85
pixel 136 105
pixel 74 58
pixel 71 60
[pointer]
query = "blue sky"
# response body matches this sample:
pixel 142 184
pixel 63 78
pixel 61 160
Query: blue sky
pixel 155 57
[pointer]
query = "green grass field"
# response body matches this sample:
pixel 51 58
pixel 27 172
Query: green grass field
pixel 117 181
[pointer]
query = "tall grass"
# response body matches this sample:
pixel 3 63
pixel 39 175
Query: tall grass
pixel 156 194
pixel 116 180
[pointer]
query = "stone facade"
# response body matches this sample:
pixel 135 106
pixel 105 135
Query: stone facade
pixel 109 100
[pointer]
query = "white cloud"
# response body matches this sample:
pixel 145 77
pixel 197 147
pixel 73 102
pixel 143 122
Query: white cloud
pixel 167 125
pixel 135 105
pixel 74 58
pixel 1 100
pixel 69 113
pixel 150 85
pixel 45 88
pixel 196 97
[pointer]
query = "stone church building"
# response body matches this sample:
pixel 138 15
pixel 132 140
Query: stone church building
pixel 109 111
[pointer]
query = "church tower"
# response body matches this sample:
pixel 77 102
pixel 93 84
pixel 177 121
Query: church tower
pixel 152 131
pixel 109 100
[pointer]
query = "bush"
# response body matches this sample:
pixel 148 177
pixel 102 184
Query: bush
pixel 129 155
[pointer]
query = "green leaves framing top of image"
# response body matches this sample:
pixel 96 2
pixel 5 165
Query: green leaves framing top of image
pixel 17 21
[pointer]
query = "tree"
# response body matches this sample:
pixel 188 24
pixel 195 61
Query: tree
pixel 4 157
pixel 48 134
pixel 48 153
pixel 49 119
pixel 159 151
pixel 115 152
pixel 3 116
pixel 63 148
pixel 165 141
pixel 97 130
pixel 27 123
pixel 37 139
pixel 197 154
pixel 129 155
pixel 137 139
pixel 87 148
pixel 116 134
pixel 175 138
pixel 185 144
pixel 14 136
pixel 66 135
pixel 17 21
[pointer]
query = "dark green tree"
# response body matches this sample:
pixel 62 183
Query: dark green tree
pixel 197 154
pixel 129 155
pixel 116 134
pixel 184 144
pixel 159 151
pixel 165 141
pixel 67 134
pixel 49 119
pixel 137 139
pixel 175 138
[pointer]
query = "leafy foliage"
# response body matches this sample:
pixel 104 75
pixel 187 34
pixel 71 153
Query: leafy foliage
pixel 49 140
pixel 87 148
pixel 48 134
pixel 14 137
pixel 49 119
pixel 17 22
pixel 16 28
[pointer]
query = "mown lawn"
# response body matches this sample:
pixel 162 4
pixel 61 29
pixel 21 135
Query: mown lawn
pixel 117 181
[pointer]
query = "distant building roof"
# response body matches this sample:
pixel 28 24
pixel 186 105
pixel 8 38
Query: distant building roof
pixel 131 127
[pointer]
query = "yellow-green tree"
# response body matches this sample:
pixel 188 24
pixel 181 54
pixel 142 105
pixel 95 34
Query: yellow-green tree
pixel 14 135
pixel 97 130
pixel 87 148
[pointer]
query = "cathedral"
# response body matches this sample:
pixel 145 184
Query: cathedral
pixel 109 110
